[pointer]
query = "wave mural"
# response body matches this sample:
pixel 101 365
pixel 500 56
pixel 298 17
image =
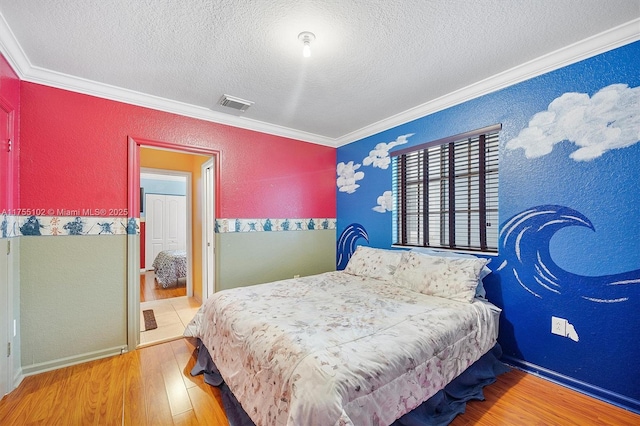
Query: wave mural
pixel 524 247
pixel 347 243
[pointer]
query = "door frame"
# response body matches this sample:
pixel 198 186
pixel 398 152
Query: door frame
pixel 208 225
pixel 8 318
pixel 188 224
pixel 133 206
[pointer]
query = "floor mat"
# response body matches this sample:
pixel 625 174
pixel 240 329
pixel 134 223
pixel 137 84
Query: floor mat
pixel 149 320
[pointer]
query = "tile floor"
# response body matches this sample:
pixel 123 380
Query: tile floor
pixel 172 316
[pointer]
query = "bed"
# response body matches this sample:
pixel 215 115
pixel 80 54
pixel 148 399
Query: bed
pixel 363 346
pixel 170 267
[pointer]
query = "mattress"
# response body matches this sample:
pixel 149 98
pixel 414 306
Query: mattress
pixel 170 266
pixel 339 349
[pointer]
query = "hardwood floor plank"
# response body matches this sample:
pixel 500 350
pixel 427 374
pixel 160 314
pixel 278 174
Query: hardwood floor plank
pixel 183 350
pixel 134 410
pixel 524 399
pixel 87 392
pixel 14 407
pixel 207 404
pixel 45 398
pixel 188 418
pixel 61 413
pixel 156 402
pixel 177 395
pixel 158 410
pixel 112 392
pixel 149 290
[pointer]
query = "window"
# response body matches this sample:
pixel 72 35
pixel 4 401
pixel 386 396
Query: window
pixel 446 192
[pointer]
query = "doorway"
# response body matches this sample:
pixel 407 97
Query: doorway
pixel 166 284
pixel 171 160
pixel 165 227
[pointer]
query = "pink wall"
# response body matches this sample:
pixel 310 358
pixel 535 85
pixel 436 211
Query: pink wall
pixel 9 161
pixel 74 151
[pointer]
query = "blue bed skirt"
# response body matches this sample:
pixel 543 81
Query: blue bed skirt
pixel 440 409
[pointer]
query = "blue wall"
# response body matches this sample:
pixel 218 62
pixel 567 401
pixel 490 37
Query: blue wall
pixel 569 160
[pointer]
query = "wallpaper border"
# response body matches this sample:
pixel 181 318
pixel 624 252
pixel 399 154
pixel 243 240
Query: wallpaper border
pixel 23 226
pixel 17 226
pixel 232 225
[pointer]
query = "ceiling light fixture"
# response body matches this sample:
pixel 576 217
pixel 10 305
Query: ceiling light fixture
pixel 306 38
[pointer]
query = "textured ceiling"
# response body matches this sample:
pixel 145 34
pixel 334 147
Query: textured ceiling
pixel 371 60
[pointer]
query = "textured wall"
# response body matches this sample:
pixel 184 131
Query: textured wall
pixel 73 295
pixel 74 151
pixel 568 211
pixel 247 258
pixel 86 137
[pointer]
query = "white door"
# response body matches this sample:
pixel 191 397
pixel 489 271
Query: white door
pixel 175 208
pixel 166 225
pixel 155 224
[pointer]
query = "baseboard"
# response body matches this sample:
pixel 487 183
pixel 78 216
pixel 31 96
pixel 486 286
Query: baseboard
pixel 577 385
pixel 17 379
pixel 72 360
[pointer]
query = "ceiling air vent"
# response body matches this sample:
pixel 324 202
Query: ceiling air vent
pixel 235 103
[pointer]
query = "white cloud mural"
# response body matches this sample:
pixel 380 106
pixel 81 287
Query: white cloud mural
pixel 379 156
pixel 348 176
pixel 385 202
pixel 610 119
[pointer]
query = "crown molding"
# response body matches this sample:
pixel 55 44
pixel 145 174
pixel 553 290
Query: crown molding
pixel 106 91
pixel 599 43
pixel 610 39
pixel 11 49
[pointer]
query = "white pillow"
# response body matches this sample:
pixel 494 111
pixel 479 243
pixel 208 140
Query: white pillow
pixel 480 291
pixel 373 262
pixel 451 278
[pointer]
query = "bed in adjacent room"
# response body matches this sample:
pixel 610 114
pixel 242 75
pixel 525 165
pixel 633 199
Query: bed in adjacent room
pixel 170 267
pixel 363 346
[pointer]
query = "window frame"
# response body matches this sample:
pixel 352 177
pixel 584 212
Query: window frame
pixel 416 161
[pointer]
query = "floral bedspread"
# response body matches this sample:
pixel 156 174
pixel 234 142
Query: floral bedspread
pixel 339 349
pixel 169 266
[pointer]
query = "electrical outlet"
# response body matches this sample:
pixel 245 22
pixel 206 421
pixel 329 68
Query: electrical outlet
pixel 296 276
pixel 559 326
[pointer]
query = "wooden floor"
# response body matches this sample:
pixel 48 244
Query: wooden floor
pixel 518 398
pixel 152 386
pixel 149 386
pixel 149 290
